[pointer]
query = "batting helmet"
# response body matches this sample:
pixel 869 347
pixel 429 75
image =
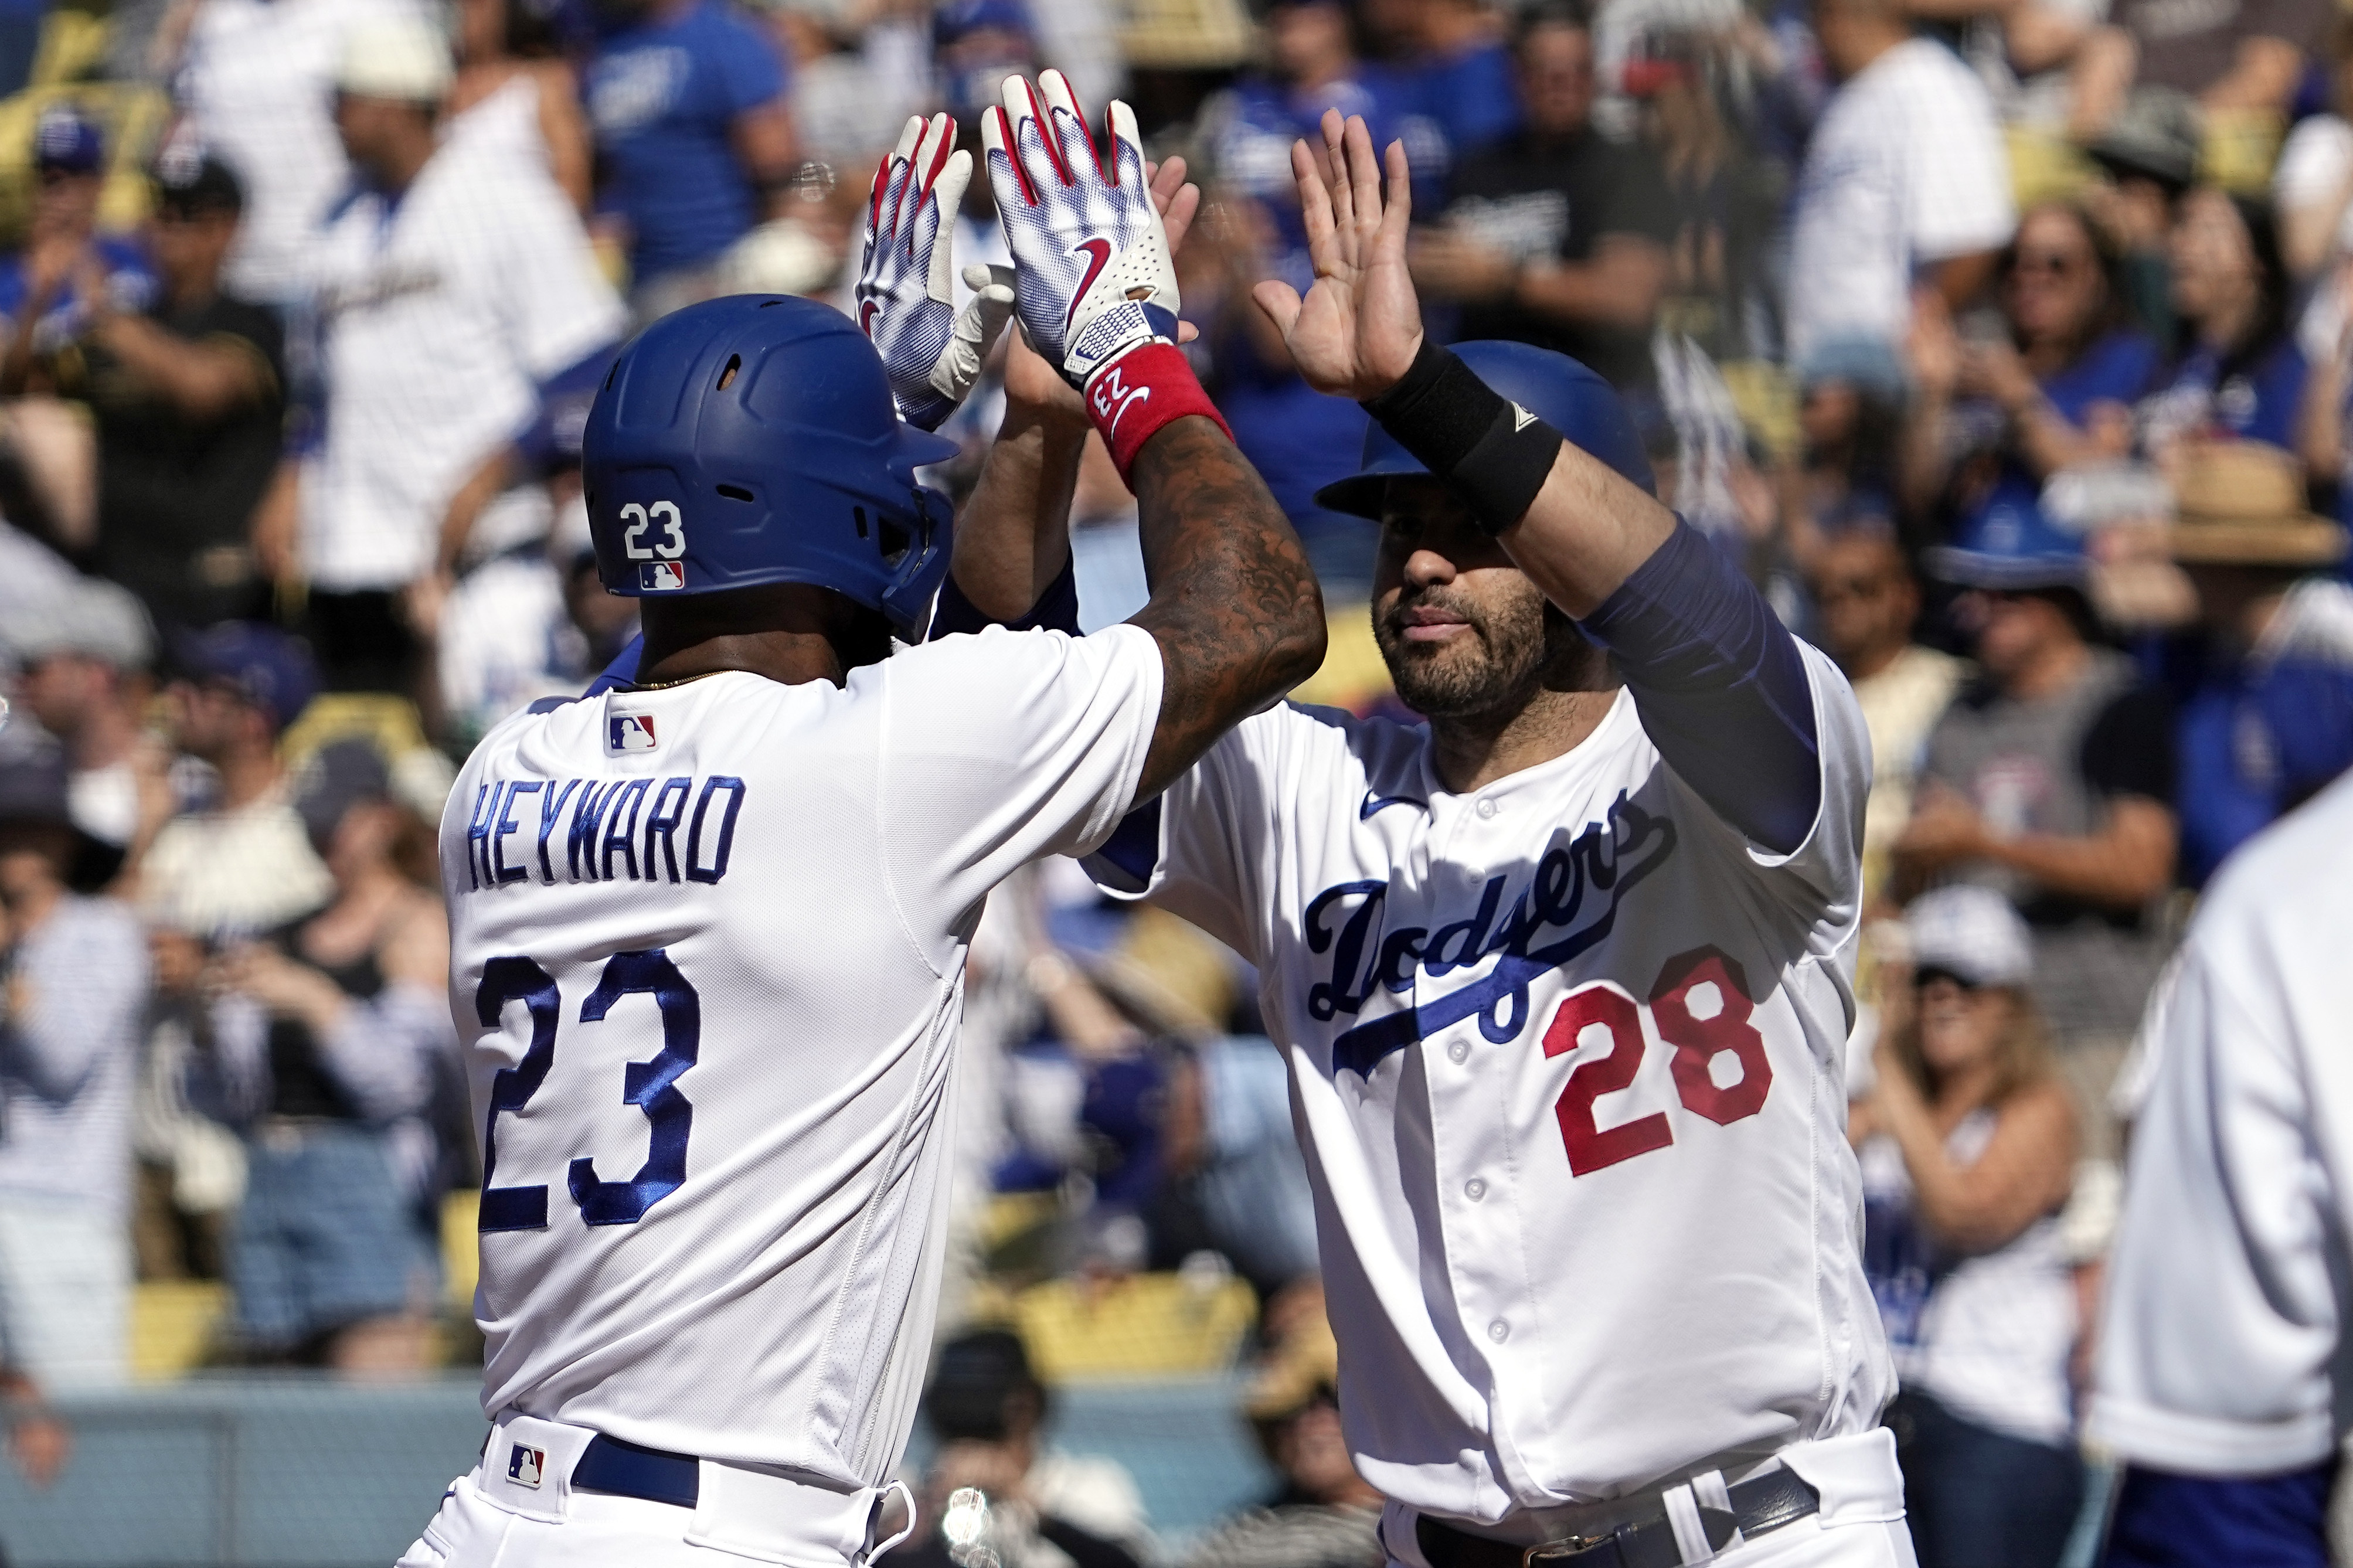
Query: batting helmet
pixel 753 439
pixel 1552 386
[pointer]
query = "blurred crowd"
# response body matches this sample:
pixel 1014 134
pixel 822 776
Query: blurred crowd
pixel 2005 342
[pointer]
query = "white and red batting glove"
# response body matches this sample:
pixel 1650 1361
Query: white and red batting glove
pixel 1096 290
pixel 932 352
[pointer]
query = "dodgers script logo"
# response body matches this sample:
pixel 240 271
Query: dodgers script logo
pixel 629 733
pixel 1345 919
pixel 526 1465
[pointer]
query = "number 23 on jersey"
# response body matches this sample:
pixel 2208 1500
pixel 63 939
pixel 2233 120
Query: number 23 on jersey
pixel 651 1086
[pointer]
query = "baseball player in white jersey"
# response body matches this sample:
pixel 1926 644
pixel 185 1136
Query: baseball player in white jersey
pixel 2225 1375
pixel 1563 979
pixel 708 929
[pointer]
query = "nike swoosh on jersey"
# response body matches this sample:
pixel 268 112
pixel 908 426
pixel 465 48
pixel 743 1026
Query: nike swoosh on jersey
pixel 1374 802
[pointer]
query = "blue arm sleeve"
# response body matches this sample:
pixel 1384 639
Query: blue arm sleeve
pixel 1057 609
pixel 1721 686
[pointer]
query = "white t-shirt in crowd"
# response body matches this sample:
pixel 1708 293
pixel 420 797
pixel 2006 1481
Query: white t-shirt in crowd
pixel 1906 169
pixel 257 82
pixel 439 315
pixel 2313 167
pixel 2222 1350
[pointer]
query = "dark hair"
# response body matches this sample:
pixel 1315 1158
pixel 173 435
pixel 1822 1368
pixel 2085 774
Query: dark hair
pixel 2271 321
pixel 2105 254
pixel 982 1375
pixel 1549 14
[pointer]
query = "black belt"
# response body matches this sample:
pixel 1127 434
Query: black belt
pixel 1762 1503
pixel 625 1470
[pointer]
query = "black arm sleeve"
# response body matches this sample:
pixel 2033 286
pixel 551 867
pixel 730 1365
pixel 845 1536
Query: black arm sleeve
pixel 1057 609
pixel 1720 687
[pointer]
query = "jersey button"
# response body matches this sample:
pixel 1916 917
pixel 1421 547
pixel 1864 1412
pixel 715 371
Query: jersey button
pixel 1474 1189
pixel 1457 1053
pixel 1499 1330
pixel 1486 808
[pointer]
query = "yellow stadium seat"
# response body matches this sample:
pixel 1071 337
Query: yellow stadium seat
pixel 172 1326
pixel 1146 1325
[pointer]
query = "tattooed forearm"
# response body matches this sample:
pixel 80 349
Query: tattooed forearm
pixel 1234 605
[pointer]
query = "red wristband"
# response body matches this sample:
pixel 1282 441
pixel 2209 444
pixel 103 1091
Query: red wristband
pixel 1141 390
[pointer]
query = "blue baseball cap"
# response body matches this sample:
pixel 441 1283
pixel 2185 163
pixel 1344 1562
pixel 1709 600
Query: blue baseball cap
pixel 268 669
pixel 64 140
pixel 2011 547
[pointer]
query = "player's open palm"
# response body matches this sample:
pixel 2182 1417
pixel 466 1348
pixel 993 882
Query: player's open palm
pixel 1355 334
pixel 932 352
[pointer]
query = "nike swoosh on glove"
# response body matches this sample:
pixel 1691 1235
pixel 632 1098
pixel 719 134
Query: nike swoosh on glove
pixel 1095 278
pixel 932 352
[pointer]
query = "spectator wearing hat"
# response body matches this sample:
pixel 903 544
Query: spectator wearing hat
pixel 2238 372
pixel 1968 1138
pixel 189 396
pixel 1555 237
pixel 240 862
pixel 694 136
pixel 1321 1514
pixel 330 1037
pixel 67 269
pixel 994 1482
pixel 2051 780
pixel 255 87
pixel 2260 725
pixel 2149 152
pixel 76 982
pixel 83 667
pixel 457 298
pixel 1904 178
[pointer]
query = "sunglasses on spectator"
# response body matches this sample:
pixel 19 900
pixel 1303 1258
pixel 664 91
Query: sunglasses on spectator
pixel 1928 975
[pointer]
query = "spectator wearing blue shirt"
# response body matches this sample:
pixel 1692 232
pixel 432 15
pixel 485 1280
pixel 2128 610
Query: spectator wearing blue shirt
pixel 1298 439
pixel 2240 375
pixel 1995 420
pixel 49 289
pixel 2263 722
pixel 1464 71
pixel 693 133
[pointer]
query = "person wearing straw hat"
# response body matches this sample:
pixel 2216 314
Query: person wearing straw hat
pixel 2258 729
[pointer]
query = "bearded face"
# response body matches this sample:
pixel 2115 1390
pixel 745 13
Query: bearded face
pixel 1463 631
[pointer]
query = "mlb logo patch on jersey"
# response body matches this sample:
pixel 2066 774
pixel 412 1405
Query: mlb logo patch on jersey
pixel 628 732
pixel 526 1465
pixel 661 576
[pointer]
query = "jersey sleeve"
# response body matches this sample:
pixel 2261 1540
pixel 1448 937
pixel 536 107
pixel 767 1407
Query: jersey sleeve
pixel 2222 1312
pixel 1004 748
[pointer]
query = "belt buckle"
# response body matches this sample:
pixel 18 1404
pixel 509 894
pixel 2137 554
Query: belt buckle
pixel 1567 1548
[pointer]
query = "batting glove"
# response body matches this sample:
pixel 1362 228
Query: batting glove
pixel 932 352
pixel 1095 275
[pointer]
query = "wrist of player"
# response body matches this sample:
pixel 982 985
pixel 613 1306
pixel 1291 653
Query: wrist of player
pixel 1492 452
pixel 1139 392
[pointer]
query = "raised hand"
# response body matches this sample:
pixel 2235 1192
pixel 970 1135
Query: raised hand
pixel 932 352
pixel 1089 247
pixel 1355 334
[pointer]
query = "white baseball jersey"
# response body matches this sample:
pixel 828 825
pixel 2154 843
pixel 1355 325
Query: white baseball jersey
pixel 1566 1062
pixel 2223 1344
pixel 707 955
pixel 439 315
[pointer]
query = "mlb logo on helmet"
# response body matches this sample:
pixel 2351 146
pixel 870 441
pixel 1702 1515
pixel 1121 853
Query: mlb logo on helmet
pixel 629 733
pixel 526 1465
pixel 661 576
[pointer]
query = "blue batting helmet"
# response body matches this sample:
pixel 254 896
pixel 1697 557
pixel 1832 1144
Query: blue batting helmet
pixel 1552 386
pixel 753 439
